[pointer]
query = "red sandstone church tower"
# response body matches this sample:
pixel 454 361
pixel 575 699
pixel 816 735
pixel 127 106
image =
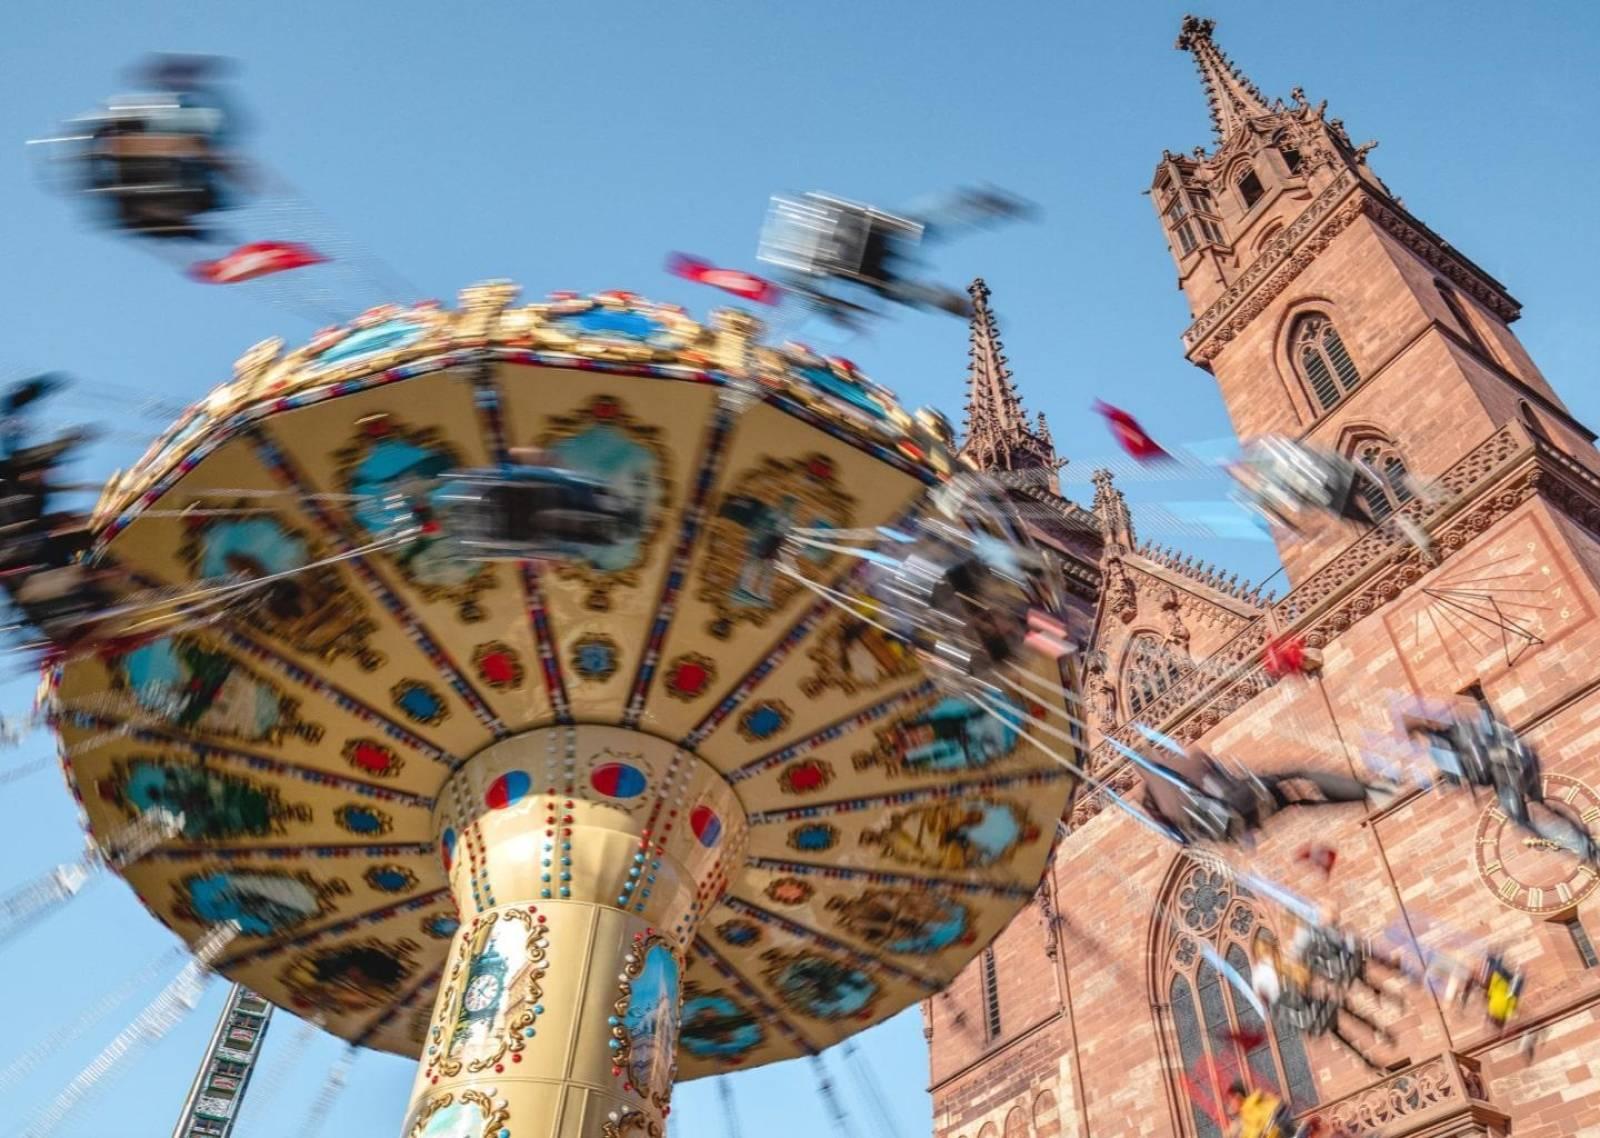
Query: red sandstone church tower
pixel 1324 311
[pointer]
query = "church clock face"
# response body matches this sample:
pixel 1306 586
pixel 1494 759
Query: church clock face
pixel 1530 873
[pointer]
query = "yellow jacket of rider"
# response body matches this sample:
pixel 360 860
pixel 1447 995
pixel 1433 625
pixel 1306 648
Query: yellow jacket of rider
pixel 1259 1115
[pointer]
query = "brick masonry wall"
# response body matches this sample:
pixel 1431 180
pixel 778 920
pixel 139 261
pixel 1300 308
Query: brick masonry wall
pixel 1093 1019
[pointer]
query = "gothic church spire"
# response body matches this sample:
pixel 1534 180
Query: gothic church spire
pixel 998 435
pixel 1234 99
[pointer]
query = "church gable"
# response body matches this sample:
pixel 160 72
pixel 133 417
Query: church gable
pixel 1160 616
pixel 1154 626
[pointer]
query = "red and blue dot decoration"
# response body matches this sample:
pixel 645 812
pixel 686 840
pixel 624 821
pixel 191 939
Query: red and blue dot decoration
pixel 594 657
pixel 498 665
pixel 441 926
pixel 740 934
pixel 447 848
pixel 371 757
pixel 419 702
pixel 806 776
pixel 618 780
pixel 764 720
pixel 391 878
pixel 690 675
pixel 813 837
pixel 366 821
pixel 707 826
pixel 507 790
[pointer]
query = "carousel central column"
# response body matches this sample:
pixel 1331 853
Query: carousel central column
pixel 582 860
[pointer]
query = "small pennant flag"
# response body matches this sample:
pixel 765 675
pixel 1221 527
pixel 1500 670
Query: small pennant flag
pixel 258 259
pixel 1319 855
pixel 1246 1039
pixel 748 286
pixel 1130 435
pixel 1284 656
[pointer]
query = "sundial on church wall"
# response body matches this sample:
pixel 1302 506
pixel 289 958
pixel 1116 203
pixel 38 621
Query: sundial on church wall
pixel 1486 610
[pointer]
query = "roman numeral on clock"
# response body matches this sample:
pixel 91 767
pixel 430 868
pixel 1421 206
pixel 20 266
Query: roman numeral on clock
pixel 1509 890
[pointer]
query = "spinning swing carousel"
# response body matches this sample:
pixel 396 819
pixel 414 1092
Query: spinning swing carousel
pixel 565 829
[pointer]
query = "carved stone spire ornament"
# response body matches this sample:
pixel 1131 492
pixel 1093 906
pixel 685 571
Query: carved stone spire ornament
pixel 1177 631
pixel 1116 523
pixel 1233 98
pixel 998 435
pixel 1048 919
pixel 1122 597
pixel 1102 692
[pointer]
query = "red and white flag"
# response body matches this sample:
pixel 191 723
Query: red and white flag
pixel 258 259
pixel 1284 656
pixel 741 284
pixel 1319 855
pixel 1133 438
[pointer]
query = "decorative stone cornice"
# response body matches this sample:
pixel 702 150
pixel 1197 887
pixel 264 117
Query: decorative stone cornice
pixel 1446 261
pixel 1203 573
pixel 609 331
pixel 1444 1095
pixel 1288 254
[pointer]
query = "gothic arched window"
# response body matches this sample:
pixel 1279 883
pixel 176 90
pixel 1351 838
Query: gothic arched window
pixel 1149 668
pixel 1207 1015
pixel 1324 364
pixel 1249 186
pixel 1381 457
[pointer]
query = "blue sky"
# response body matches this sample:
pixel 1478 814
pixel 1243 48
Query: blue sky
pixel 573 146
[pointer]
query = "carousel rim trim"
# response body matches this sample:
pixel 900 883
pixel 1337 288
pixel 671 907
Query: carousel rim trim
pixel 486 329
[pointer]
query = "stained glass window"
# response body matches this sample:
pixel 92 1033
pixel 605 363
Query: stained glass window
pixel 1192 1048
pixel 1219 1034
pixel 1149 669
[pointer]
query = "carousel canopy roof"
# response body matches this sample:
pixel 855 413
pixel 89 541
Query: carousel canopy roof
pixel 305 733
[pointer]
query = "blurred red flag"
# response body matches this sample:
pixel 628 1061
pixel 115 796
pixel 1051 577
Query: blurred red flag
pixel 1318 855
pixel 258 259
pixel 741 284
pixel 1284 656
pixel 1134 439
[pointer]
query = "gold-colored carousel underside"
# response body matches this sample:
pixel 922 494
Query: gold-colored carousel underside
pixel 305 734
